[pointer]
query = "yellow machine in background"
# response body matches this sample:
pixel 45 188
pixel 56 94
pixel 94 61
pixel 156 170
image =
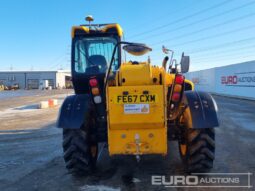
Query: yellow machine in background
pixel 134 107
pixel 1 87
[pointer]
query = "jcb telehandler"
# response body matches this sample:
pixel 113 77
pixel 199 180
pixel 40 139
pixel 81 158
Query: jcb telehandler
pixel 134 107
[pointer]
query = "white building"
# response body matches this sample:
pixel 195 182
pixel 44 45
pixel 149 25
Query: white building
pixel 31 79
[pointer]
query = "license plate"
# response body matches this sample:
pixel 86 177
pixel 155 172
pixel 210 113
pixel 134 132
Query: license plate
pixel 137 98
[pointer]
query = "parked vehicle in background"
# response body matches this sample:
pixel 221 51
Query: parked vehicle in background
pixel 44 85
pixel 11 87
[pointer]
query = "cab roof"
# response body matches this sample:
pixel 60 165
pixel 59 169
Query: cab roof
pixel 97 29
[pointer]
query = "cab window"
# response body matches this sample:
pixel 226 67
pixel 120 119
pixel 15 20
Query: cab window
pixel 93 54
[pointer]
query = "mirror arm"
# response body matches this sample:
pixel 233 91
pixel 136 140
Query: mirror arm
pixel 110 66
pixel 112 59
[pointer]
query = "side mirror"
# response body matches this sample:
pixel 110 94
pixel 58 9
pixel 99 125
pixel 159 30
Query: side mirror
pixel 185 61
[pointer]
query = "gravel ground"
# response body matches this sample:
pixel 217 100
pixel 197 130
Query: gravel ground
pixel 31 152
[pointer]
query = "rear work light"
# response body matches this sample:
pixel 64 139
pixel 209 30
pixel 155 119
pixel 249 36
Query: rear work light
pixel 179 79
pixel 93 82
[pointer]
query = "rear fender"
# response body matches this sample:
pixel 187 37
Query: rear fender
pixel 201 111
pixel 73 111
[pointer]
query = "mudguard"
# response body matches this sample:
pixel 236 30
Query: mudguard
pixel 73 111
pixel 201 110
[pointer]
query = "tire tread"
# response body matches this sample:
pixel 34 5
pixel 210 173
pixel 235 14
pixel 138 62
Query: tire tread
pixel 200 150
pixel 76 151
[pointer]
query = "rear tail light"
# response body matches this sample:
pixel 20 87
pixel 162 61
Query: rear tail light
pixel 93 82
pixel 176 97
pixel 177 91
pixel 179 79
pixel 177 88
pixel 95 91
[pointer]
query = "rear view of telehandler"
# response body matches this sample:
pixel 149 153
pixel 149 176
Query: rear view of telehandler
pixel 132 106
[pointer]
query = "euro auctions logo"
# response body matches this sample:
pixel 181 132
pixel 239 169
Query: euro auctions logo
pixel 215 180
pixel 174 180
pixel 244 79
pixel 229 80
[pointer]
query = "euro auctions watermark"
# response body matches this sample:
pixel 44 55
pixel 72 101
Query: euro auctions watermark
pixel 214 180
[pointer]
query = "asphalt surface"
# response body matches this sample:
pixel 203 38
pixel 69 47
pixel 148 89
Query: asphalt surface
pixel 31 151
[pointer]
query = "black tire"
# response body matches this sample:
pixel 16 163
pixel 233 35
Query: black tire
pixel 200 150
pixel 77 152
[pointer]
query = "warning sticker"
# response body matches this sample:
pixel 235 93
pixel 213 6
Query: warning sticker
pixel 136 108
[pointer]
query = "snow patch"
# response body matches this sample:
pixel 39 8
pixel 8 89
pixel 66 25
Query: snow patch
pixel 136 180
pixel 98 188
pixel 20 109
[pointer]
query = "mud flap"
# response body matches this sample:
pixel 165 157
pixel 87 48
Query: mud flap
pixel 201 111
pixel 73 111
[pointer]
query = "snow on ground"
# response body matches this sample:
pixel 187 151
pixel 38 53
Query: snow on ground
pixel 98 188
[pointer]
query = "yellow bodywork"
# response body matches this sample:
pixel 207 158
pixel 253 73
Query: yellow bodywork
pixel 103 29
pixel 136 108
pixel 136 100
pixel 137 130
pixel 152 116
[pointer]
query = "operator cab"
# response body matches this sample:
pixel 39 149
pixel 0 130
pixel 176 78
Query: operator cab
pixel 92 49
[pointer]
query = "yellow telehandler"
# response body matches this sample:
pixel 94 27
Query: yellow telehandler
pixel 134 107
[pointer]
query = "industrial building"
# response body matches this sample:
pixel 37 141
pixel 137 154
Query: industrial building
pixel 32 79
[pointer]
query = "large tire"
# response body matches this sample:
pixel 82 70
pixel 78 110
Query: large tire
pixel 197 150
pixel 77 152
